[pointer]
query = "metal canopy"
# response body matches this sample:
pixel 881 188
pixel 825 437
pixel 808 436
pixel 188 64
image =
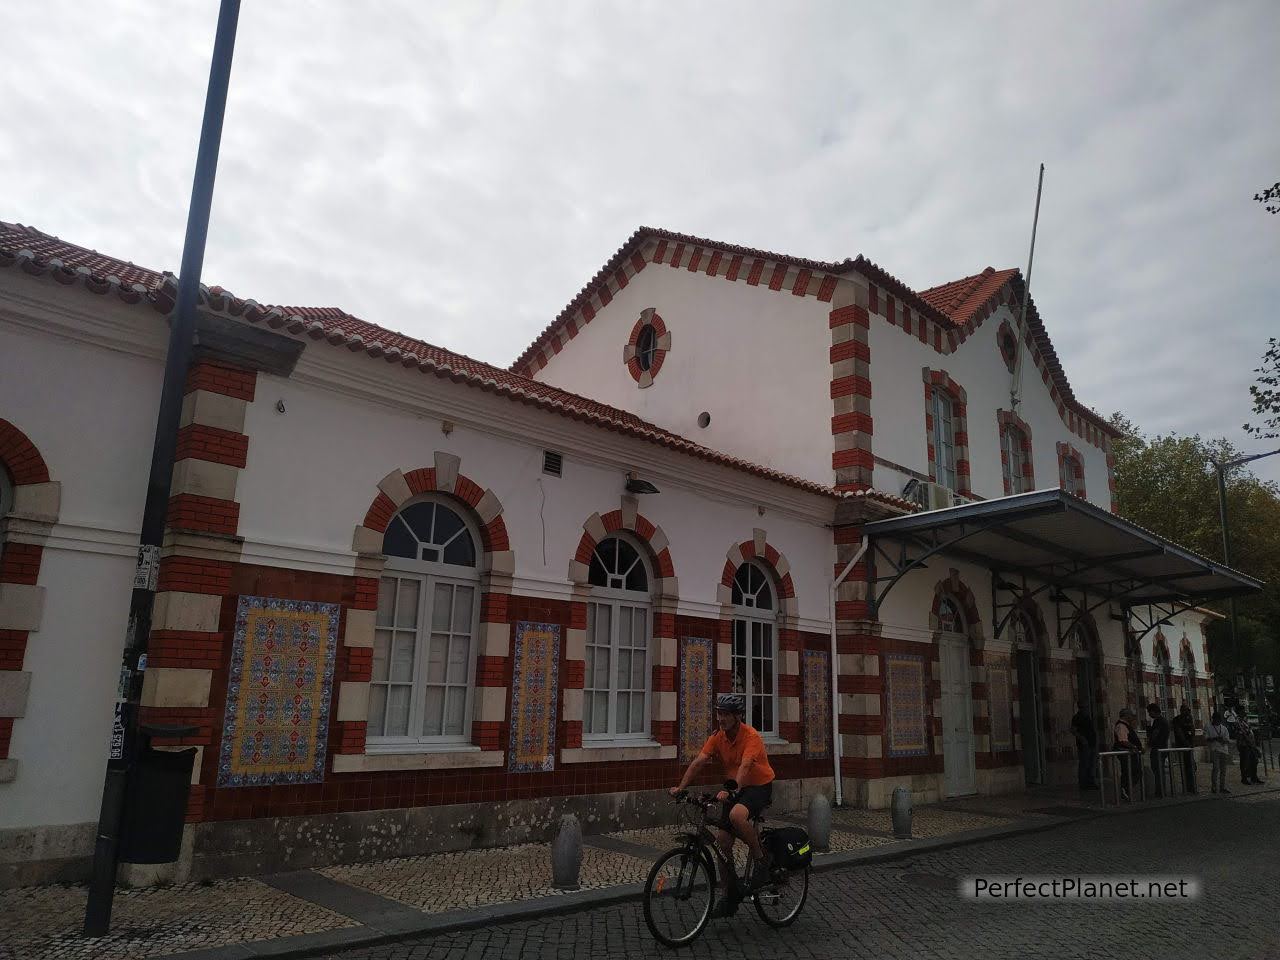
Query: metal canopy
pixel 1060 542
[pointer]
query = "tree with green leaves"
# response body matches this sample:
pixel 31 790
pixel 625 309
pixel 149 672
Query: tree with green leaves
pixel 1270 198
pixel 1266 394
pixel 1167 483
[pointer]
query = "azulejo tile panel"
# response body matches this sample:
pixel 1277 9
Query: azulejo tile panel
pixel 276 725
pixel 905 689
pixel 697 678
pixel 1001 703
pixel 535 689
pixel 817 703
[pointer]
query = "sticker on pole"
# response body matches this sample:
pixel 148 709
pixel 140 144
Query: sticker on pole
pixel 117 732
pixel 147 571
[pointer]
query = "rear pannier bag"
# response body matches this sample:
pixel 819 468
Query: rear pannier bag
pixel 790 847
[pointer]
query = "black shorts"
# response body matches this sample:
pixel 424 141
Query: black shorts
pixel 756 798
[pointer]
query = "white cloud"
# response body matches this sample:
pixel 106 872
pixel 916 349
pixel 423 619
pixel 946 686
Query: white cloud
pixel 457 171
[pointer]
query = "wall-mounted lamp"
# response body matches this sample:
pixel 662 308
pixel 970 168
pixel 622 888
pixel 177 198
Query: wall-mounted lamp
pixel 1005 585
pixel 636 485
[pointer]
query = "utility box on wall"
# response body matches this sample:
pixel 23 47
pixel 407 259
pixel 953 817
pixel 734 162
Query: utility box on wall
pixel 156 805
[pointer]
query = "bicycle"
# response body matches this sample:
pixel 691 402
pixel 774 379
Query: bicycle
pixel 682 886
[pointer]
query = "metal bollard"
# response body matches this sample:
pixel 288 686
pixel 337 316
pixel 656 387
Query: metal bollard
pixel 566 854
pixel 901 812
pixel 820 822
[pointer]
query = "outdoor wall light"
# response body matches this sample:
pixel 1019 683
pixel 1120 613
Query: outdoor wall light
pixel 636 485
pixel 1005 585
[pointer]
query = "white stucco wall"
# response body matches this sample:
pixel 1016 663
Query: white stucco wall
pixel 90 410
pixel 755 359
pixel 898 410
pixel 343 446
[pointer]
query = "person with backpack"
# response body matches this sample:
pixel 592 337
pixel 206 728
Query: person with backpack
pixel 1126 738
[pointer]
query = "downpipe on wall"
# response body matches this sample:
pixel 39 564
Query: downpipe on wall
pixel 835 671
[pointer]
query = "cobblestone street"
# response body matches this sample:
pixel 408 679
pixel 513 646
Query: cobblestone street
pixel 910 909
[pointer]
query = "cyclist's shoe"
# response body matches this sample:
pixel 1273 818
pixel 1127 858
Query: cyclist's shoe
pixel 727 907
pixel 761 872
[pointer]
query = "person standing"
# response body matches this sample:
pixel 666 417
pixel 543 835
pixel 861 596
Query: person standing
pixel 1086 748
pixel 1126 738
pixel 1247 743
pixel 1184 736
pixel 1158 740
pixel 1218 738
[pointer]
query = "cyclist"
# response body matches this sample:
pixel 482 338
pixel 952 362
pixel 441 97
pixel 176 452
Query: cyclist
pixel 742 755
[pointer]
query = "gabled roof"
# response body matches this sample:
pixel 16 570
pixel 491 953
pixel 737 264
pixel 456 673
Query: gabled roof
pixel 961 299
pixel 41 254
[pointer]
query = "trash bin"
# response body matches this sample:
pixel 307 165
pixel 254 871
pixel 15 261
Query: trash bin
pixel 156 803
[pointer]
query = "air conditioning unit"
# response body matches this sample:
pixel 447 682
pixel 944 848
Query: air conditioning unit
pixel 936 496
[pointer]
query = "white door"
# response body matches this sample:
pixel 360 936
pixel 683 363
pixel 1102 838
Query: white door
pixel 960 778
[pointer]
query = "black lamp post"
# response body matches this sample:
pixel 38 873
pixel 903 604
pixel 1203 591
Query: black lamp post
pixel 125 733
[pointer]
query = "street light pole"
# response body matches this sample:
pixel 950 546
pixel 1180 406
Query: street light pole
pixel 97 918
pixel 1221 467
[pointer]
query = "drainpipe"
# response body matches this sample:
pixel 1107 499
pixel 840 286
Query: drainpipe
pixel 835 671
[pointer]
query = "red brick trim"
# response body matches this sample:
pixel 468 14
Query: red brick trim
pixel 1007 344
pixel 199 442
pixel 941 380
pixel 1006 419
pixel 1069 458
pixel 647 318
pixel 770 558
pixel 222 378
pixel 852 428
pixel 953 587
pixel 19 456
pixel 644 531
pixel 187 511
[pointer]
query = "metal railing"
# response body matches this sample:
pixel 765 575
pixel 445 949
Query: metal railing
pixel 1167 763
pixel 1124 760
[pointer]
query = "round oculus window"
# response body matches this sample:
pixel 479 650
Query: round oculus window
pixel 647 346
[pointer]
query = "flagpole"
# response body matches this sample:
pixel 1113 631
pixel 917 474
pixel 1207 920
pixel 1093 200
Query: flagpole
pixel 1015 388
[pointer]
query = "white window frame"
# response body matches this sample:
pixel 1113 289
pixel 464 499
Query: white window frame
pixel 762 622
pixel 429 575
pixel 960 617
pixel 1070 482
pixel 1015 458
pixel 942 407
pixel 616 599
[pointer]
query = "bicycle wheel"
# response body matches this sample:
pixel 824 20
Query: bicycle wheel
pixel 780 901
pixel 678 896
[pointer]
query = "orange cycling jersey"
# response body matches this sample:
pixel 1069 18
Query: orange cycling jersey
pixel 747 745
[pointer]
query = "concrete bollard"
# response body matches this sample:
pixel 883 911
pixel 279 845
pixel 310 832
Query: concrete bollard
pixel 820 822
pixel 901 812
pixel 566 854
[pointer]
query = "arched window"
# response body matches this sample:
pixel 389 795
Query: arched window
pixel 1164 676
pixel 1020 631
pixel 647 346
pixel 1014 460
pixel 1188 680
pixel 423 650
pixel 754 653
pixel 616 696
pixel 944 437
pixel 950 619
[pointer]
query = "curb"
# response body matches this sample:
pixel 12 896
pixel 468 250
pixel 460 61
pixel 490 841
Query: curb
pixel 453 921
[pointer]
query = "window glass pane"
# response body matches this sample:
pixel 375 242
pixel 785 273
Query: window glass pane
pixel 458 648
pixel 637 579
pixel 407 604
pixel 602 669
pixel 436 658
pixel 764 599
pixel 737 592
pixel 377 706
pixel 638 660
pixel 461 552
pixel 646 345
pixel 624 711
pixel 455 704
pixel 739 638
pixel 756 649
pixel 441 607
pixel 448 523
pixel 386 601
pixel 766 677
pixel 766 712
pixel 637 713
pixel 402 658
pixel 463 609
pixel 640 630
pixel 381 651
pixel 600 714
pixel 398 541
pixel 417 516
pixel 624 626
pixel 433 712
pixel 624 668
pixel 604 619
pixel 398 710
pixel 597 576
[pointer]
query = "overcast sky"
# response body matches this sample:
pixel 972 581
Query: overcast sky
pixel 458 171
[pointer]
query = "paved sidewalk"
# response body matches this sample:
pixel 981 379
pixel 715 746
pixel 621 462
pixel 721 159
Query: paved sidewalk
pixel 296 914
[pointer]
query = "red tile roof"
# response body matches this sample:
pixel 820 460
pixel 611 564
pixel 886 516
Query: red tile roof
pixel 40 254
pixel 961 299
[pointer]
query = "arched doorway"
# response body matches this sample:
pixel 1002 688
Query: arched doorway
pixel 1083 642
pixel 958 764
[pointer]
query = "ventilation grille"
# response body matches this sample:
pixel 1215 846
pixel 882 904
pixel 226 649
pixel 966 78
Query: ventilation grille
pixel 552 462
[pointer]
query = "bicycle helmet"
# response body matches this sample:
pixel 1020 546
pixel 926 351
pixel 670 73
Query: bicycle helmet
pixel 731 703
